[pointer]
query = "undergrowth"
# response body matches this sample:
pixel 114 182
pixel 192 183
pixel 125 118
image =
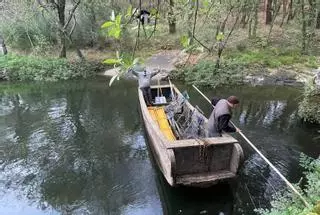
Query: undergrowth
pixel 28 68
pixel 205 73
pixel 272 57
pixel 309 109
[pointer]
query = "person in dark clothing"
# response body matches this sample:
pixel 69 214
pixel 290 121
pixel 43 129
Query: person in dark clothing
pixel 144 16
pixel 219 119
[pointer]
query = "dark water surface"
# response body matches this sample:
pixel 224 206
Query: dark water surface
pixel 80 148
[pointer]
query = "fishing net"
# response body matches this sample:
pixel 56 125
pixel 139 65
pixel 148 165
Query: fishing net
pixel 187 123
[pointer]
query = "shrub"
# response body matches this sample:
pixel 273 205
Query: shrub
pixel 205 73
pixel 25 68
pixel 289 204
pixel 309 108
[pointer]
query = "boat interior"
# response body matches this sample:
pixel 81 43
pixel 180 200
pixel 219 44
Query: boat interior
pixel 176 117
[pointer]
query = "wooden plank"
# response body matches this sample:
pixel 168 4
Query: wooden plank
pixel 204 178
pixel 199 142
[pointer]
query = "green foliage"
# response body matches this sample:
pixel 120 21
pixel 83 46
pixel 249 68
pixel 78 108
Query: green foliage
pixel 272 57
pixel 125 61
pixel 185 41
pixel 309 108
pixel 113 26
pixel 289 204
pixel 206 73
pixel 22 68
pixel 220 37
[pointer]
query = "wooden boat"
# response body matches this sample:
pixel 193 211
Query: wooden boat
pixel 176 138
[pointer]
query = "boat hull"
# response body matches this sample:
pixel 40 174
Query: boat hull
pixel 191 162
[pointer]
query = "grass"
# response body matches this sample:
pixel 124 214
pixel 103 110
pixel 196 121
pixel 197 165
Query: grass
pixel 30 68
pixel 272 58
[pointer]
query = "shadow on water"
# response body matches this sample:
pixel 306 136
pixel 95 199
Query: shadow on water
pixel 79 148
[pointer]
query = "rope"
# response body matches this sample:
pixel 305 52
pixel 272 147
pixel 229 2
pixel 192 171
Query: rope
pixel 264 158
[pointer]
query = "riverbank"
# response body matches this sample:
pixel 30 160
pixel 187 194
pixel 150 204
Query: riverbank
pixel 247 68
pixel 30 68
pixel 253 67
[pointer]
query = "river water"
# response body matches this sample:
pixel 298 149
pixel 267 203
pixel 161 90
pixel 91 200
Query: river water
pixel 79 147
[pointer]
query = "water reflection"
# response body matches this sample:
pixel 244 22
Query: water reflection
pixel 79 148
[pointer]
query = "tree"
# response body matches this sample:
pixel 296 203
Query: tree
pixel 58 7
pixel 171 18
pixel 268 11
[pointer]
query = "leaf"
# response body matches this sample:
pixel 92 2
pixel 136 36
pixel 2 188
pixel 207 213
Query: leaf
pixel 112 32
pixel 118 20
pixel 112 79
pixel 112 17
pixel 107 24
pixel 185 41
pixel 153 12
pixel 117 33
pixel 118 54
pixel 111 61
pixel 129 11
pixel 205 3
pixel 220 36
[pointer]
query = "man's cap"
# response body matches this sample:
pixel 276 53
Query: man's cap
pixel 233 100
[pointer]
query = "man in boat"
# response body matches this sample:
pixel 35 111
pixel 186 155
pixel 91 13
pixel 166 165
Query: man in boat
pixel 144 79
pixel 220 117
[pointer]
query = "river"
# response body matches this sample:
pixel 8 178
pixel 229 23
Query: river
pixel 79 147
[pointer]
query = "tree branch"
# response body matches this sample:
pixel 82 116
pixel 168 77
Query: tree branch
pixel 155 20
pixel 73 26
pixel 204 46
pixel 72 11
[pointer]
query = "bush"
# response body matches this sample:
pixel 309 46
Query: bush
pixel 289 204
pixel 205 73
pixel 25 68
pixel 273 57
pixel 309 107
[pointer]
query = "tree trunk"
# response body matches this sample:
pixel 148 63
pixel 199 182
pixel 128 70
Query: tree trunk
pixel 172 20
pixel 284 6
pixel 318 21
pixel 312 13
pixel 243 20
pixel 304 29
pixel 268 11
pixel 290 11
pixel 255 21
pixel 61 5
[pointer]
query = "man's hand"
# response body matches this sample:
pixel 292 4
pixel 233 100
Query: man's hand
pixel 238 130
